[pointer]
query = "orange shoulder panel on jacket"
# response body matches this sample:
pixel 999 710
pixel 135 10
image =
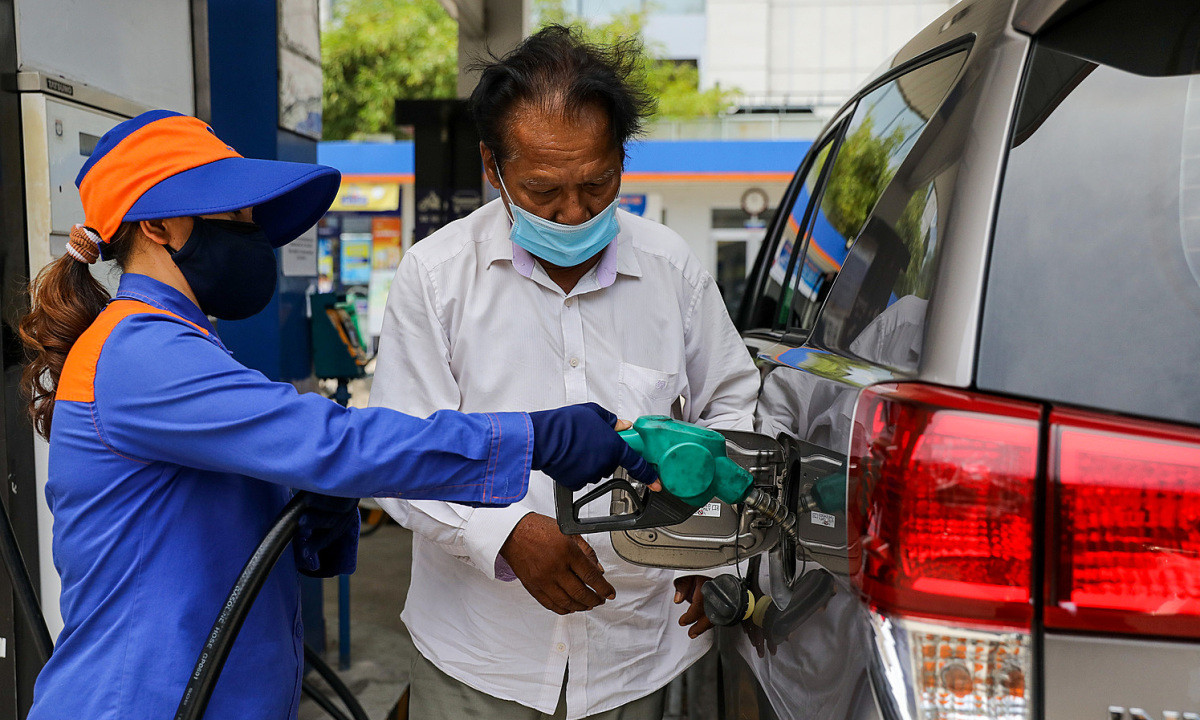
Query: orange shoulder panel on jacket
pixel 78 380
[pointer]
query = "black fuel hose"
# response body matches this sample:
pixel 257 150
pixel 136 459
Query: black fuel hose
pixel 322 702
pixel 233 613
pixel 27 602
pixel 335 683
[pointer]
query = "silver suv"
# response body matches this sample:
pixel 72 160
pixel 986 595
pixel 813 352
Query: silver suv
pixel 977 315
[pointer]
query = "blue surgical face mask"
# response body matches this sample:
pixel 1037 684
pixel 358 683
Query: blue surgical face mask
pixel 558 244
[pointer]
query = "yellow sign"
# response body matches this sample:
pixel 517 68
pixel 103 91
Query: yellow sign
pixel 367 197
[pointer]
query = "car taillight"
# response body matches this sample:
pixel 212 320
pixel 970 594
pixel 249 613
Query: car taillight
pixel 1124 518
pixel 942 484
pixel 944 672
pixel 946 483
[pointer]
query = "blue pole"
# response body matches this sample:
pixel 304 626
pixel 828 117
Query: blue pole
pixel 343 622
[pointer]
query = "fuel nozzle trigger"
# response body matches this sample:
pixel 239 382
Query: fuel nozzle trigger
pixel 692 465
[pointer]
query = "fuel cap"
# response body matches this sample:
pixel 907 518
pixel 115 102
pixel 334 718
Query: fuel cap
pixel 727 601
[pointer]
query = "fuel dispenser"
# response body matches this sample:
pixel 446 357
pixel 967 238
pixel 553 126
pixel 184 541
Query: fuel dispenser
pixel 72 71
pixel 61 122
pixel 448 181
pixel 706 474
pixel 61 93
pixel 339 351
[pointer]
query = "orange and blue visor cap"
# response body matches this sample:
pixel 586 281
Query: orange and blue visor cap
pixel 162 164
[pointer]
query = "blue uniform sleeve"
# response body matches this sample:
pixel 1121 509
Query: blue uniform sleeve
pixel 166 393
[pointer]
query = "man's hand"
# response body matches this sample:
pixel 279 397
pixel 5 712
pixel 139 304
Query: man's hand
pixel 688 588
pixel 561 572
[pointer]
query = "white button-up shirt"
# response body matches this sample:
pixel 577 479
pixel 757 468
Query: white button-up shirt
pixel 472 325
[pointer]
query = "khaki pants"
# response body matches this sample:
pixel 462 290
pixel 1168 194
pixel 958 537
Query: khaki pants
pixel 434 695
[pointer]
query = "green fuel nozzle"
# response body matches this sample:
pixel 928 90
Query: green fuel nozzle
pixel 694 467
pixel 691 460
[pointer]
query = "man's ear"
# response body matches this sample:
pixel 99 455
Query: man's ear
pixel 489 165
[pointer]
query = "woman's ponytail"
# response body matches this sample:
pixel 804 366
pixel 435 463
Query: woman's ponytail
pixel 64 300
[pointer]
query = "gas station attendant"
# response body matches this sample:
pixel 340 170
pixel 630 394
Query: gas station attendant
pixel 169 459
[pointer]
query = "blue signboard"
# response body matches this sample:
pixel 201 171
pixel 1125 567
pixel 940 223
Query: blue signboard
pixel 635 204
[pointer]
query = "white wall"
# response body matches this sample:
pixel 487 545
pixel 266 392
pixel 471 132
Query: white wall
pixel 806 52
pixel 140 50
pixel 678 36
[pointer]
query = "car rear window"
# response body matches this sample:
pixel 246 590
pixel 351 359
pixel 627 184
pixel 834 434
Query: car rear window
pixel 771 306
pixel 868 270
pixel 815 242
pixel 1093 289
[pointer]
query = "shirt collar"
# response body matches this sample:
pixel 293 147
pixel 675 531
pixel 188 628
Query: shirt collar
pixel 606 269
pixel 621 261
pixel 162 296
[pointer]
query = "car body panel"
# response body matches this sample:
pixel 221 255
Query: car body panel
pixel 1085 676
pixel 820 665
pixel 1033 16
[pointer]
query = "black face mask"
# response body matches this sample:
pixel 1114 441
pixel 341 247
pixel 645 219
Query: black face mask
pixel 230 266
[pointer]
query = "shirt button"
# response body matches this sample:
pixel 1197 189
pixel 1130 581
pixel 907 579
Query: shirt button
pixel 574 362
pixel 560 648
pixel 299 629
pixel 569 301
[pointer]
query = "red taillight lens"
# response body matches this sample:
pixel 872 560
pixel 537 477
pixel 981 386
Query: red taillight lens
pixel 1124 517
pixel 944 485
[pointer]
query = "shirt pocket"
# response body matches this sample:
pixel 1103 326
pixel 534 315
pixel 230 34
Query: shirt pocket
pixel 645 391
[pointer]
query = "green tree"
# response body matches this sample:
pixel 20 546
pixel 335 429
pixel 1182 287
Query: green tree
pixel 860 173
pixel 378 51
pixel 918 237
pixel 865 165
pixel 676 86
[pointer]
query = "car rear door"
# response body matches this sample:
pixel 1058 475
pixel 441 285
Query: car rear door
pixel 1093 309
pixel 893 246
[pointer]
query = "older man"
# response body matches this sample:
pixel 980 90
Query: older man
pixel 547 296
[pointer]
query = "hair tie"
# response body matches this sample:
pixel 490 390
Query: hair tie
pixel 84 244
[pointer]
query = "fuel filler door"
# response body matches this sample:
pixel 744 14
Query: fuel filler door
pixel 691 530
pixel 718 533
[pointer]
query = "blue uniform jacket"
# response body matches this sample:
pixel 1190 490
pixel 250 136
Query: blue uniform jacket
pixel 168 462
